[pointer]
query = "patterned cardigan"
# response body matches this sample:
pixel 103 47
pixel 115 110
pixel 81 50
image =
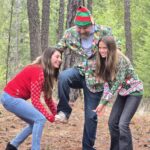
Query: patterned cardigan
pixel 125 83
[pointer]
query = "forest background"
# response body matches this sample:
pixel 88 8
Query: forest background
pixel 23 32
pixel 29 26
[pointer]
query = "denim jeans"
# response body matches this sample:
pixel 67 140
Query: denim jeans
pixel 71 78
pixel 122 112
pixel 29 114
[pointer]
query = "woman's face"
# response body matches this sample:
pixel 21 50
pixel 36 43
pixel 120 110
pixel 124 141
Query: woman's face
pixel 56 59
pixel 103 50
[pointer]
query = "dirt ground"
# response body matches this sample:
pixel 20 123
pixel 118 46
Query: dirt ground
pixel 69 136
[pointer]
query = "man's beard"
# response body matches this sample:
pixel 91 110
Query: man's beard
pixel 84 35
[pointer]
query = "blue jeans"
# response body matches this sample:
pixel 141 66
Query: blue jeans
pixel 122 112
pixel 29 114
pixel 71 78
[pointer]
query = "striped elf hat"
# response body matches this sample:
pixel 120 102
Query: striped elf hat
pixel 83 17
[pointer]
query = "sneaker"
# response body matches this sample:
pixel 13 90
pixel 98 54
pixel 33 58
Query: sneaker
pixel 10 147
pixel 61 117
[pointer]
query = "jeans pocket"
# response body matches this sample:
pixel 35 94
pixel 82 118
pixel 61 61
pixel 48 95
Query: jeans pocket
pixel 6 100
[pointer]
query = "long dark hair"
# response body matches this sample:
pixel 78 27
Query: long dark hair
pixel 50 73
pixel 106 67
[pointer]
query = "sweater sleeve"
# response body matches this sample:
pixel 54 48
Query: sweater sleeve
pixel 51 105
pixel 62 43
pixel 107 95
pixel 36 89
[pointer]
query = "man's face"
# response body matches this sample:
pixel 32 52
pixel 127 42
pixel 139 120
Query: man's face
pixel 84 31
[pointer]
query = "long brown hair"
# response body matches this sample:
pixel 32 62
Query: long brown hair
pixel 106 67
pixel 50 73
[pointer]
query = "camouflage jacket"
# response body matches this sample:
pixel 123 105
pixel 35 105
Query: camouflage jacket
pixel 71 40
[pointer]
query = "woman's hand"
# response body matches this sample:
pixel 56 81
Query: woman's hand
pixel 100 110
pixel 51 118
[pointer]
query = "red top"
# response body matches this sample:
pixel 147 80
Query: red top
pixel 28 83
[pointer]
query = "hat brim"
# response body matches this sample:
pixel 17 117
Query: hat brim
pixel 78 23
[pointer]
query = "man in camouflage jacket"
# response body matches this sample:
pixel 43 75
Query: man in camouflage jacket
pixel 82 39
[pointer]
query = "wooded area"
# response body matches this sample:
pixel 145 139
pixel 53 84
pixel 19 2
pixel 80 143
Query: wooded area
pixel 28 27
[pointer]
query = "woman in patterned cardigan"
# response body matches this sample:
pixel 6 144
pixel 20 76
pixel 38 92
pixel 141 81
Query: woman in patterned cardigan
pixel 119 77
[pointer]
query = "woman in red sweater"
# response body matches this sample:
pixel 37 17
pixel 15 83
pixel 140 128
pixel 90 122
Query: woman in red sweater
pixel 29 83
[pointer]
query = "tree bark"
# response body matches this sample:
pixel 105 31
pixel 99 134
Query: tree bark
pixel 9 40
pixel 34 28
pixel 71 11
pixel 128 34
pixel 14 53
pixel 69 56
pixel 89 5
pixel 61 20
pixel 45 24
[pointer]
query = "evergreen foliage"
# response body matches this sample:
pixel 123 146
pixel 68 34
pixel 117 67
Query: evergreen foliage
pixel 106 12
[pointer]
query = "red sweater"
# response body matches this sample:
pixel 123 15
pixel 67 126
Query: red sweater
pixel 29 84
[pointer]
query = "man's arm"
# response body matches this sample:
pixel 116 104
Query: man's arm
pixel 62 43
pixel 107 31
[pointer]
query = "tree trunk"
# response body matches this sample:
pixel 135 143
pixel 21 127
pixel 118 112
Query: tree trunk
pixel 61 20
pixel 14 52
pixel 9 40
pixel 34 28
pixel 82 2
pixel 69 56
pixel 128 35
pixel 45 24
pixel 89 5
pixel 71 11
pixel 17 28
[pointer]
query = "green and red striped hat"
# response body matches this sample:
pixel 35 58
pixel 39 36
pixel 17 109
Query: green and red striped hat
pixel 83 17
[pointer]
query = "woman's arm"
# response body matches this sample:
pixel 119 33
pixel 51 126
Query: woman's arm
pixel 36 89
pixel 52 105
